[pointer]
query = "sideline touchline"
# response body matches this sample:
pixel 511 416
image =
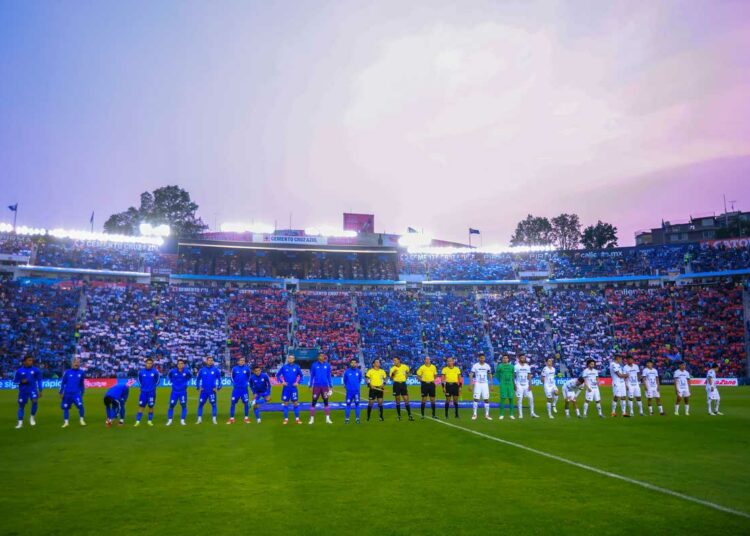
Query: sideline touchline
pixel 600 471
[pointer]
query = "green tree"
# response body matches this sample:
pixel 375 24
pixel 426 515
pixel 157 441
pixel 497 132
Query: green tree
pixel 533 231
pixel 566 231
pixel 169 204
pixel 599 236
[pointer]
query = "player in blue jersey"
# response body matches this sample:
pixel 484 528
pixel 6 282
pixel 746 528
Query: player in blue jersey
pixel 71 392
pixel 352 382
pixel 208 384
pixel 320 384
pixel 179 377
pixel 240 378
pixel 148 378
pixel 260 385
pixel 290 376
pixel 29 380
pixel 114 402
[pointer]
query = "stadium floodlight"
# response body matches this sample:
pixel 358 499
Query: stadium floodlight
pixel 260 228
pixel 6 228
pixel 147 229
pixel 492 250
pixel 329 231
pixel 106 238
pixel 30 231
pixel 415 240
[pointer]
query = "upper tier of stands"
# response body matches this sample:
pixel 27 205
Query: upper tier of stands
pixel 635 261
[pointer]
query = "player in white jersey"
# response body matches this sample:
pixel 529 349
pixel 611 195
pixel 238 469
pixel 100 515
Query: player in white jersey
pixel 550 387
pixel 571 390
pixel 591 380
pixel 522 371
pixel 651 383
pixel 619 392
pixel 633 383
pixel 682 389
pixel 481 376
pixel 712 390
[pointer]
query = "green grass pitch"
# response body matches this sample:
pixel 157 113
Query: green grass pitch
pixel 375 478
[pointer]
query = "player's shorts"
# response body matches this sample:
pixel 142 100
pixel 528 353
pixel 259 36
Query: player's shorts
pixel 260 399
pixel 69 401
pixel 652 393
pixel 175 398
pixel 209 397
pixel 619 390
pixel 570 396
pixel 352 397
pixel 712 395
pixel 594 395
pixel 375 394
pixel 399 389
pixel 507 391
pixel 320 392
pixel 683 392
pixel 428 389
pixel 522 390
pixel 240 396
pixel 550 391
pixel 25 396
pixel 147 398
pixel 634 391
pixel 289 394
pixel 481 391
pixel 452 389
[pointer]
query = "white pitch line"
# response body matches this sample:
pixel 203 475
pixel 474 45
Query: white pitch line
pixel 602 472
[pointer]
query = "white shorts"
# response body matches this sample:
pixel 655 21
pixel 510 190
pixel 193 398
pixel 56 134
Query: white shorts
pixel 618 389
pixel 684 392
pixel 550 392
pixel 522 390
pixel 593 395
pixel 634 391
pixel 652 393
pixel 481 391
pixel 713 395
pixel 570 396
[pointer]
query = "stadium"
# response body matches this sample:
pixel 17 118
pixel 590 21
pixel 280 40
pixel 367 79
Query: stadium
pixel 163 375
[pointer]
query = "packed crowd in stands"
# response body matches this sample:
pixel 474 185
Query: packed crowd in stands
pixel 620 262
pixel 326 321
pixel 91 255
pixel 258 325
pixel 451 327
pixel 515 323
pixel 715 259
pixel 37 319
pixel 12 244
pixel 390 326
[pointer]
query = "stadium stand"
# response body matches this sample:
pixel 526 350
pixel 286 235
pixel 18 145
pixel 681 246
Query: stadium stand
pixel 11 244
pixel 390 326
pixel 90 255
pixel 326 320
pixel 258 325
pixel 38 319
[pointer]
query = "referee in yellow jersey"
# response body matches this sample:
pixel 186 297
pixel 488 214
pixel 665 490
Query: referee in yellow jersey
pixel 398 373
pixel 375 379
pixel 451 379
pixel 427 374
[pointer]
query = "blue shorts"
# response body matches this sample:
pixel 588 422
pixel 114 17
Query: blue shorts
pixel 176 398
pixel 147 398
pixel 25 396
pixel 260 399
pixel 69 401
pixel 240 396
pixel 352 397
pixel 204 397
pixel 289 394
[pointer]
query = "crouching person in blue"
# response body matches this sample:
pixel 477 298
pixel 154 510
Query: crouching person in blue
pixel 114 402
pixel 260 385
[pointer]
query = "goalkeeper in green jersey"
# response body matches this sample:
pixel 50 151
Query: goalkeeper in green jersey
pixel 504 374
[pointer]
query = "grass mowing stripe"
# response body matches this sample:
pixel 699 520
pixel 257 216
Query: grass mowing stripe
pixel 646 485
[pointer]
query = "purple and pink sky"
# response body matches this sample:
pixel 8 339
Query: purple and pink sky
pixel 436 115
